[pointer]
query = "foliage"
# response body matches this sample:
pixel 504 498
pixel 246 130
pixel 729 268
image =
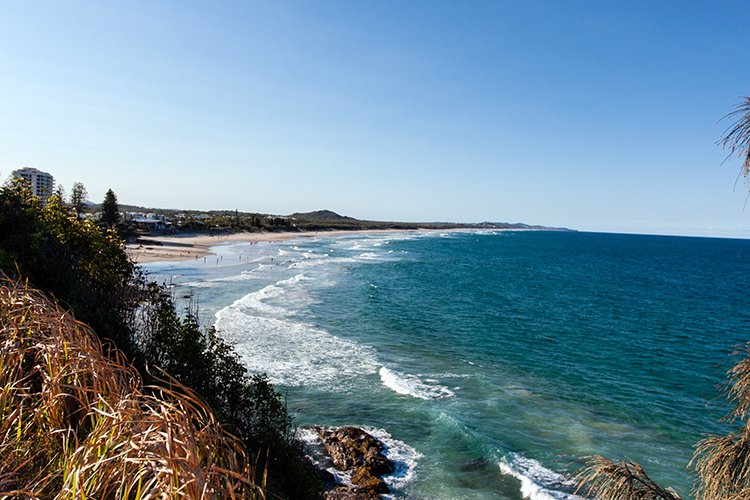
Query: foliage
pixel 602 478
pixel 76 423
pixel 86 269
pixel 723 462
pixel 78 197
pixel 60 193
pixel 206 363
pixel 736 137
pixel 110 210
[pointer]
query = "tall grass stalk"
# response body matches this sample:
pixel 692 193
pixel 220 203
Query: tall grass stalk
pixel 76 420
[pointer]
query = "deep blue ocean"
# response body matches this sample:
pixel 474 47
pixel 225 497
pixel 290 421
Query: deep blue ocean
pixel 490 362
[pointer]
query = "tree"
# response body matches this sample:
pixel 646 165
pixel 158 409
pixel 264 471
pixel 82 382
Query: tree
pixel 87 270
pixel 60 193
pixel 736 137
pixel 722 463
pixel 110 209
pixel 78 197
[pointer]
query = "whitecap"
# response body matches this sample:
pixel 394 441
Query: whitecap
pixel 368 256
pixel 257 302
pixel 270 340
pixel 411 385
pixel 403 456
pixel 537 482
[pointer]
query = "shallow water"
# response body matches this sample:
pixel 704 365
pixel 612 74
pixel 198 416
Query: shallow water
pixel 490 360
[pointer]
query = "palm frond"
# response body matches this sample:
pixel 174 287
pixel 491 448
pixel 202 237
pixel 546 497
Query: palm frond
pixel 736 137
pixel 738 386
pixel 607 480
pixel 723 466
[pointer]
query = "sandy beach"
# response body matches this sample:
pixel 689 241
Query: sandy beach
pixel 191 246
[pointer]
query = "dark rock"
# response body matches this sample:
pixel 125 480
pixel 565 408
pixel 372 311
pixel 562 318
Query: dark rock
pixel 352 449
pixel 367 482
pixel 342 492
pixel 377 463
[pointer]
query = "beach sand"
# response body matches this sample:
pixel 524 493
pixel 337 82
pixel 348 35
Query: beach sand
pixel 192 246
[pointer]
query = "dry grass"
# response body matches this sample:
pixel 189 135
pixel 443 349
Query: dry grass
pixel 736 137
pixel 723 466
pixel 607 480
pixel 76 422
pixel 723 462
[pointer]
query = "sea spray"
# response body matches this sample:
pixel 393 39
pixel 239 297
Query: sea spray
pixel 411 385
pixel 537 482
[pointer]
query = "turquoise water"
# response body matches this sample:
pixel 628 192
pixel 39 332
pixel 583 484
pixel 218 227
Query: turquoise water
pixel 490 361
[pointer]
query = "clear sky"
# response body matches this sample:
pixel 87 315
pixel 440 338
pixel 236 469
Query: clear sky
pixel 596 115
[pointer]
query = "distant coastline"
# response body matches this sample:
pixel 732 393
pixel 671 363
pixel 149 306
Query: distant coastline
pixel 220 228
pixel 193 245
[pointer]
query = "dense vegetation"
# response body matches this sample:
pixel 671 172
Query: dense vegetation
pixel 85 268
pixel 76 423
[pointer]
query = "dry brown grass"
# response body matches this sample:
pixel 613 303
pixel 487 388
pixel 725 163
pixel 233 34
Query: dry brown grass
pixel 723 462
pixel 76 422
pixel 736 137
pixel 607 480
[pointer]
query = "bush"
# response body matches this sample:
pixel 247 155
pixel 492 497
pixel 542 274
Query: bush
pixel 87 270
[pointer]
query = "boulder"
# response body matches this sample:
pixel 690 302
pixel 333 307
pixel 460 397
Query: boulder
pixel 368 483
pixel 353 449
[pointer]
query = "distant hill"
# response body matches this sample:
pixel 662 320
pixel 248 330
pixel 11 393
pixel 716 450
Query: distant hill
pixel 318 220
pixel 321 216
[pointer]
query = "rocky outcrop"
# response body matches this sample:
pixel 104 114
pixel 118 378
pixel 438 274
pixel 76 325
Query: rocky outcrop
pixel 353 450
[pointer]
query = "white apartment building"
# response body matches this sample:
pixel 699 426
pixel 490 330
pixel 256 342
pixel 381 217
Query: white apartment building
pixel 42 183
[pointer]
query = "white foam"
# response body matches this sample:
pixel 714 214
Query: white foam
pixel 200 284
pixel 315 451
pixel 411 385
pixel 369 256
pixel 293 353
pixel 258 302
pixel 403 456
pixel 537 482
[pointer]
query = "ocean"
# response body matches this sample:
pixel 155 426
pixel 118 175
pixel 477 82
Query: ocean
pixel 490 362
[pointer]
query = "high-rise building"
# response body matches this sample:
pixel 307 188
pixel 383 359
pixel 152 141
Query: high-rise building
pixel 42 183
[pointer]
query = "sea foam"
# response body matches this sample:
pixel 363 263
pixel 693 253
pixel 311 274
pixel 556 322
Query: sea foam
pixel 403 456
pixel 270 339
pixel 411 385
pixel 537 482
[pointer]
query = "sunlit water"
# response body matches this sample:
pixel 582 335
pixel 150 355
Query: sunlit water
pixel 490 361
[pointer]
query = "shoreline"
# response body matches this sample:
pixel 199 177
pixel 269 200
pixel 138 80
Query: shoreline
pixel 190 246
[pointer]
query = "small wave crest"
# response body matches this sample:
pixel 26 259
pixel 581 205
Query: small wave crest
pixel 295 354
pixel 403 456
pixel 537 482
pixel 288 290
pixel 411 385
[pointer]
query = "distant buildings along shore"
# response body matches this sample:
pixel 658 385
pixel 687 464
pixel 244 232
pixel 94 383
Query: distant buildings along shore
pixel 42 183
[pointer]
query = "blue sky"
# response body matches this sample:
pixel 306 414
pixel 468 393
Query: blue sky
pixel 596 115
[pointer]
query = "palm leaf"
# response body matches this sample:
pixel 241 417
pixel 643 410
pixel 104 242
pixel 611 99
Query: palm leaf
pixel 607 480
